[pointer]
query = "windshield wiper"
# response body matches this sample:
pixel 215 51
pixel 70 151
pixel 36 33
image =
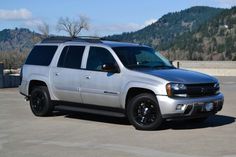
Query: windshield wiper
pixel 138 66
pixel 152 67
pixel 163 67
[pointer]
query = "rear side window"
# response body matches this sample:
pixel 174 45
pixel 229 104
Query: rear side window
pixel 71 57
pixel 62 57
pixel 41 55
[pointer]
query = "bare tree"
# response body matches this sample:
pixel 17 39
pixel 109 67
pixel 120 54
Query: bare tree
pixel 44 29
pixel 73 27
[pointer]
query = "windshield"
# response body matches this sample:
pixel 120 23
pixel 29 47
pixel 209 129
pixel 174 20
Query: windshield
pixel 141 57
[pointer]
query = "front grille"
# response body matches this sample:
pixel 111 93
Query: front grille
pixel 200 90
pixel 188 109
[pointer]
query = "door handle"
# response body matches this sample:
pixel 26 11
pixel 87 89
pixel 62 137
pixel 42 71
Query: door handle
pixel 57 74
pixel 87 77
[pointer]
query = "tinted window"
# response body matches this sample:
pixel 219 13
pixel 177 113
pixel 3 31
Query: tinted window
pixel 71 57
pixel 62 57
pixel 141 57
pixel 41 55
pixel 97 57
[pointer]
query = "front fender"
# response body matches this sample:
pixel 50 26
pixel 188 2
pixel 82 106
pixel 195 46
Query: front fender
pixel 155 88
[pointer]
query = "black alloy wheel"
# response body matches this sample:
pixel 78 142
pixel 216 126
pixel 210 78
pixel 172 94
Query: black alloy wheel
pixel 40 101
pixel 144 113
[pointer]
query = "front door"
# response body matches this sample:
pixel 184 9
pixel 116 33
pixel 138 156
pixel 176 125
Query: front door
pixel 99 87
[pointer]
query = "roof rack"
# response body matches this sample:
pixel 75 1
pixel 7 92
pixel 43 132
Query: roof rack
pixel 88 39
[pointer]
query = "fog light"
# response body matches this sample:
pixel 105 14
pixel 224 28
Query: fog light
pixel 209 106
pixel 181 107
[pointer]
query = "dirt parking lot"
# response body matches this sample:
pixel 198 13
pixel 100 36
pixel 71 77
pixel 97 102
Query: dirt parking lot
pixel 85 135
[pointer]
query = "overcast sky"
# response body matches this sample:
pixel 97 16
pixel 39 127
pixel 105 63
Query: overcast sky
pixel 106 16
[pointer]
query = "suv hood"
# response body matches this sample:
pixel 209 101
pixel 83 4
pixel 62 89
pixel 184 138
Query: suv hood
pixel 179 75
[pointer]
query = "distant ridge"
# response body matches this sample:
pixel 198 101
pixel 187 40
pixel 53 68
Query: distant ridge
pixel 214 40
pixel 18 40
pixel 176 34
pixel 197 33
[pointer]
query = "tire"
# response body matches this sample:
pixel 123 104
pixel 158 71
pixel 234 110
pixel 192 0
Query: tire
pixel 40 102
pixel 144 113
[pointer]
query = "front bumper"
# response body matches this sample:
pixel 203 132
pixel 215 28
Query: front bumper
pixel 194 107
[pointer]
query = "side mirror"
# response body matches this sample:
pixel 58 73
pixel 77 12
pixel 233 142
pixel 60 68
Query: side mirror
pixel 177 63
pixel 111 68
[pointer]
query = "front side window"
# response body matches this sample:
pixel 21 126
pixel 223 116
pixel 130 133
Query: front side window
pixel 141 57
pixel 98 57
pixel 71 57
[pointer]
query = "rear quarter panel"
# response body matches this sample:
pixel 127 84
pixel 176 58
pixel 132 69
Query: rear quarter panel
pixel 34 72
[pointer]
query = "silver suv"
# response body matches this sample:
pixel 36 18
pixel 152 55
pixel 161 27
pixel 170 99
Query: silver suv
pixel 115 79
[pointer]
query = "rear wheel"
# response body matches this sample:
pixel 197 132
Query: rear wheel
pixel 143 112
pixel 40 102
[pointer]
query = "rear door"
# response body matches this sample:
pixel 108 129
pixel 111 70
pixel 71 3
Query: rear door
pixel 67 74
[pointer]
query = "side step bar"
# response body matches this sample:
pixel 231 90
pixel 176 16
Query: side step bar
pixel 90 110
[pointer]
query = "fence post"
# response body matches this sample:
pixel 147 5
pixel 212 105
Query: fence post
pixel 177 64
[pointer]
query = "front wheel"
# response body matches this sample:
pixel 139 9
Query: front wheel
pixel 40 102
pixel 143 112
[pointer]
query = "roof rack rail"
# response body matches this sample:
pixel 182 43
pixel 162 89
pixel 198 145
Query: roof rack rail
pixel 89 37
pixel 56 39
pixel 62 39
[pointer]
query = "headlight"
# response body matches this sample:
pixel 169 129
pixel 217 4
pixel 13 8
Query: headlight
pixel 217 87
pixel 178 86
pixel 176 89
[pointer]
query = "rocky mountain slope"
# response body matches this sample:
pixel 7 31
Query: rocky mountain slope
pixel 214 40
pixel 162 33
pixel 17 40
pixel 197 33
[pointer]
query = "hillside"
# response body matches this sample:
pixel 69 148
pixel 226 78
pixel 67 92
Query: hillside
pixel 17 40
pixel 15 45
pixel 215 40
pixel 162 33
pixel 197 33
